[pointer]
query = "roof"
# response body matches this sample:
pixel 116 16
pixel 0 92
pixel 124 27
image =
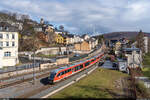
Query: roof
pixel 131 49
pixel 70 35
pixel 91 39
pixel 6 27
pixel 113 41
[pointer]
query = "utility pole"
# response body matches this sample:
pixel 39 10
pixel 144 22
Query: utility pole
pixel 33 67
pixel 34 60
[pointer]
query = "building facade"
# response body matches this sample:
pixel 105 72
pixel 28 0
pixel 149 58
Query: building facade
pixel 1 57
pixel 59 39
pixel 87 45
pixel 134 57
pixel 146 43
pixel 83 46
pixel 9 45
pixel 117 48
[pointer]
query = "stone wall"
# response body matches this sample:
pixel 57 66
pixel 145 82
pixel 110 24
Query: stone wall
pixel 62 61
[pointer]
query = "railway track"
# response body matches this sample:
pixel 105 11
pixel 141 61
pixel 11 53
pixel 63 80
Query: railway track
pixel 35 91
pixel 56 85
pixel 12 83
pixel 21 78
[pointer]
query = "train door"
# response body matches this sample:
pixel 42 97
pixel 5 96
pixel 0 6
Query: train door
pixel 59 76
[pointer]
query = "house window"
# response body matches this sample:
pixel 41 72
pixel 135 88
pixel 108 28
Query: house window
pixel 7 36
pixel 7 43
pixel 1 36
pixel 7 29
pixel 7 54
pixel 13 43
pixel 13 36
pixel 1 28
pixel 1 44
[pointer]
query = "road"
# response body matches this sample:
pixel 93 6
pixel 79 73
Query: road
pixel 109 65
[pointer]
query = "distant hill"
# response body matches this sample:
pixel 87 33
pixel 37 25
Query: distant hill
pixel 117 35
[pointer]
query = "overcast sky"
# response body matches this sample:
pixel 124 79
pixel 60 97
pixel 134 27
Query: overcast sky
pixel 82 16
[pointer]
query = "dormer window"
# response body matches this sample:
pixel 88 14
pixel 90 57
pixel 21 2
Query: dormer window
pixel 7 29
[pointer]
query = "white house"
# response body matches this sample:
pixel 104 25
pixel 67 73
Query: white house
pixel 77 39
pixel 9 45
pixel 85 36
pixel 134 57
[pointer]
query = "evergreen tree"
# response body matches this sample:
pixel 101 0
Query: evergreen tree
pixel 140 41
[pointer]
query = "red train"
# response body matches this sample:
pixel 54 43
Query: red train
pixel 63 72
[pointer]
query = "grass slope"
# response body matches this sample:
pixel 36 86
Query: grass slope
pixel 99 84
pixel 146 63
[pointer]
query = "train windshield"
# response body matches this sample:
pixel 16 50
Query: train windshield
pixel 52 75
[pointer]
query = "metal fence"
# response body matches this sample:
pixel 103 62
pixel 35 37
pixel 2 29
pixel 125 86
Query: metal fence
pixel 21 67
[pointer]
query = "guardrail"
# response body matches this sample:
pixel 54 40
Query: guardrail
pixel 18 68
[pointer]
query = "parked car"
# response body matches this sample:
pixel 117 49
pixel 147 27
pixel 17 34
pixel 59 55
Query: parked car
pixel 115 65
pixel 100 64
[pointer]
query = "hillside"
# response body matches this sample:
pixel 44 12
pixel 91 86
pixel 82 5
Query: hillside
pixel 117 35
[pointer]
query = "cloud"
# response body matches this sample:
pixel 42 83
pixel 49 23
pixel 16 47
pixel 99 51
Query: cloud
pixel 86 16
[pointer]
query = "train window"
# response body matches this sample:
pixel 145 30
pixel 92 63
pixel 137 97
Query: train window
pixel 58 75
pixel 62 73
pixel 87 63
pixel 73 69
pixel 92 60
pixel 69 70
pixel 66 71
pixel 76 68
pixel 52 75
pixel 81 66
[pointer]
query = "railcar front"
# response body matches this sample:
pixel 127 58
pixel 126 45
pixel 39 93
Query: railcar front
pixel 51 77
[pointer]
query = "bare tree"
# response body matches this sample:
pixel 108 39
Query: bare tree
pixel 46 22
pixel 149 45
pixel 61 27
pixel 23 17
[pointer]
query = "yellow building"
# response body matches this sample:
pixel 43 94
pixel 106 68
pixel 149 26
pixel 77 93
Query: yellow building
pixel 118 45
pixel 60 39
pixel 117 48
